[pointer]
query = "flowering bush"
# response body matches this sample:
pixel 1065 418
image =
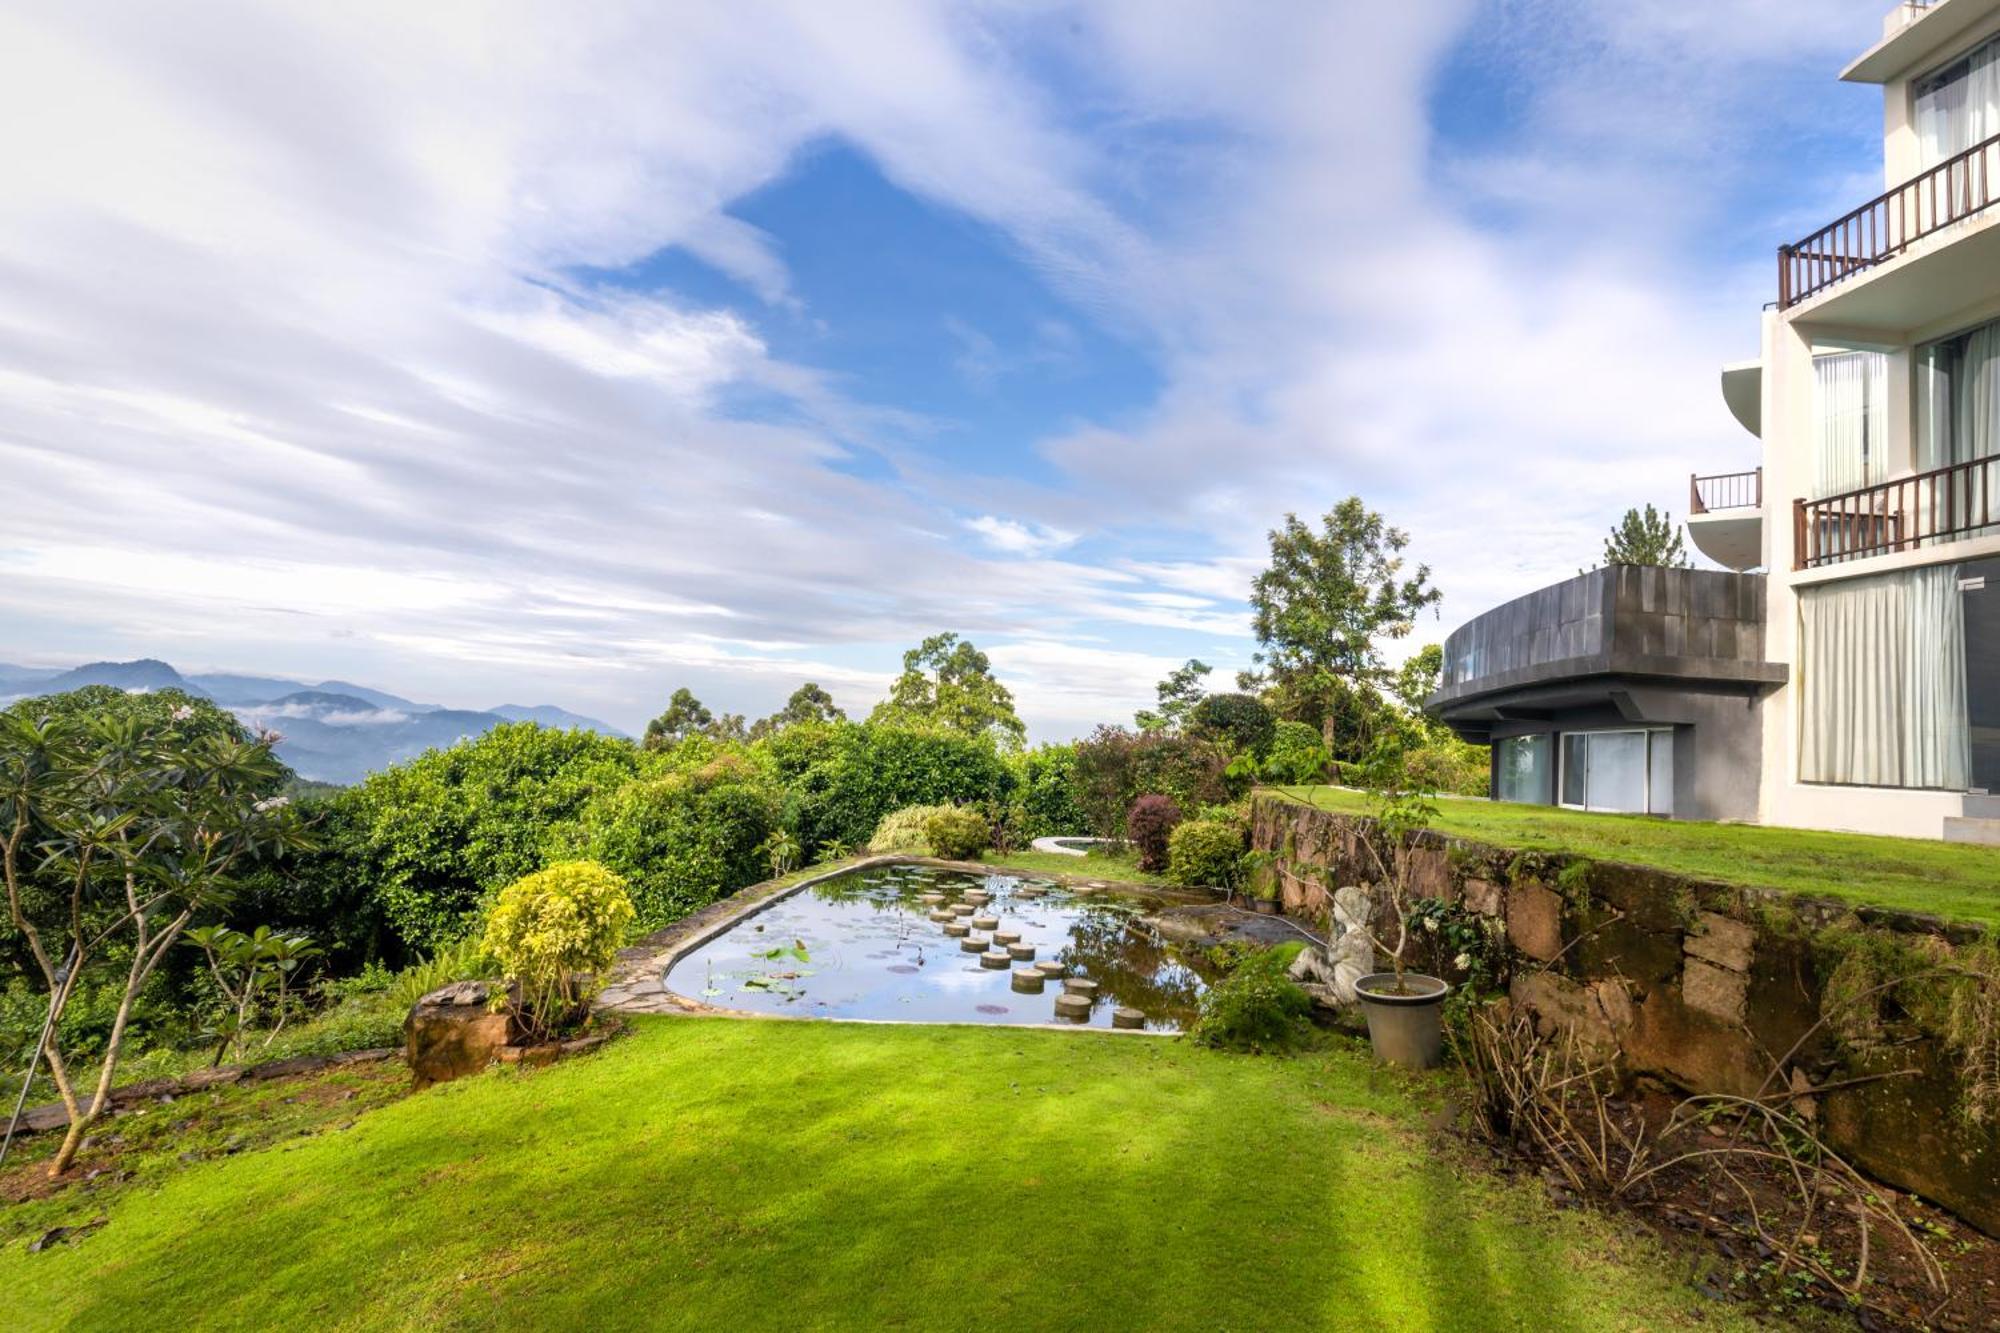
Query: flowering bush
pixel 1149 823
pixel 958 835
pixel 553 930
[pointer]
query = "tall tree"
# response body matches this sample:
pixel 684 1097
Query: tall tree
pixel 1322 608
pixel 1651 538
pixel 949 684
pixel 809 703
pixel 1178 694
pixel 685 716
pixel 117 828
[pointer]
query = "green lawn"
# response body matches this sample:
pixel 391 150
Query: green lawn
pixel 719 1174
pixel 1122 865
pixel 1951 880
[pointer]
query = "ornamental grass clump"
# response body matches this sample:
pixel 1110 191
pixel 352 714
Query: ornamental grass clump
pixel 552 932
pixel 903 830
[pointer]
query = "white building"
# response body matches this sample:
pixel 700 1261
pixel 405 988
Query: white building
pixel 1875 516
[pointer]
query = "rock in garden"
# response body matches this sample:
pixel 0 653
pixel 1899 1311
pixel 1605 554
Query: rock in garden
pixel 454 1031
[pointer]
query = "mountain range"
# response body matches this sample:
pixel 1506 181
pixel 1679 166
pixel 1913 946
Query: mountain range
pixel 334 731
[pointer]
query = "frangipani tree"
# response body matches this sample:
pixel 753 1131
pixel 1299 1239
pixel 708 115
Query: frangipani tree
pixel 118 827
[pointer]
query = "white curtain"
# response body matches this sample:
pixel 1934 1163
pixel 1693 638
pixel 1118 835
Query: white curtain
pixel 1954 115
pixel 1852 408
pixel 1882 676
pixel 1958 421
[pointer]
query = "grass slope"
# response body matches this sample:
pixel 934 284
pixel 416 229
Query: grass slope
pixel 1951 880
pixel 742 1174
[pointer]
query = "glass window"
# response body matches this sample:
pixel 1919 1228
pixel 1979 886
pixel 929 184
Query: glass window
pixel 1979 583
pixel 1526 770
pixel 1660 774
pixel 1575 766
pixel 1618 771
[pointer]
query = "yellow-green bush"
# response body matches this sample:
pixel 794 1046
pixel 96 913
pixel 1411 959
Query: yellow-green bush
pixel 552 931
pixel 903 830
pixel 1206 852
pixel 958 835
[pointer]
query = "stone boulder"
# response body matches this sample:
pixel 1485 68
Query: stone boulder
pixel 456 1030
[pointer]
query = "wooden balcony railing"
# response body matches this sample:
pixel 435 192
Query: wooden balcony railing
pixel 1885 226
pixel 1962 500
pixel 1726 490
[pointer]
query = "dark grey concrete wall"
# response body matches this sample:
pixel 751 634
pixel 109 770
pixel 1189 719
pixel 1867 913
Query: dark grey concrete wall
pixel 1694 624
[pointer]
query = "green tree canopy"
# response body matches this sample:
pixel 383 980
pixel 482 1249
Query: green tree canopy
pixel 1649 538
pixel 685 716
pixel 1178 694
pixel 949 684
pixel 1322 609
pixel 809 703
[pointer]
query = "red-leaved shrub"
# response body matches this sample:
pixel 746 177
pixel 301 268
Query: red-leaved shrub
pixel 1148 824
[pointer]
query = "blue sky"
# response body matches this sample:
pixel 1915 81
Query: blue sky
pixel 549 353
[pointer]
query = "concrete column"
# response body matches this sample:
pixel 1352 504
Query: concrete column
pixel 1788 468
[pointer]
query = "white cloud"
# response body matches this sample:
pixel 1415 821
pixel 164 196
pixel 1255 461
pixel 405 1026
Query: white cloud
pixel 297 357
pixel 1017 538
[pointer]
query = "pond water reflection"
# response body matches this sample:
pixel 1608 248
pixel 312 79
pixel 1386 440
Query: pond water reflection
pixel 863 945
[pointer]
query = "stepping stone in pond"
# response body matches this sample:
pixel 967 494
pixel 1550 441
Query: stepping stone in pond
pixel 957 927
pixel 979 896
pixel 942 915
pixel 963 909
pixel 994 958
pixel 1028 980
pixel 1004 937
pixel 1080 986
pixel 930 897
pixel 1128 1018
pixel 985 922
pixel 975 944
pixel 1020 952
pixel 1076 1008
pixel 1052 968
pixel 904 969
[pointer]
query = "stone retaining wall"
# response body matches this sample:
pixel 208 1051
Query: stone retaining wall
pixel 1702 985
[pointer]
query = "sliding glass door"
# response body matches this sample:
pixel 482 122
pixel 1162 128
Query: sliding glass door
pixel 1629 772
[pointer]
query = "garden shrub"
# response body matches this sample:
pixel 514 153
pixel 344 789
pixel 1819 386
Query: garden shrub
pixel 903 830
pixel 958 835
pixel 1257 1007
pixel 683 840
pixel 1206 852
pixel 1298 754
pixel 1149 825
pixel 431 839
pixel 1240 723
pixel 1115 767
pixel 552 932
pixel 840 779
pixel 1046 793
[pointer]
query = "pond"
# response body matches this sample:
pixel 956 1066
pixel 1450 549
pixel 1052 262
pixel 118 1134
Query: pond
pixel 890 942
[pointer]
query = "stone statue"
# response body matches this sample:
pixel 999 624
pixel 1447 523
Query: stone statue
pixel 1350 954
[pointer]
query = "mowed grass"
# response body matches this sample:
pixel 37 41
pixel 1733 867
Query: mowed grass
pixel 710 1173
pixel 1951 880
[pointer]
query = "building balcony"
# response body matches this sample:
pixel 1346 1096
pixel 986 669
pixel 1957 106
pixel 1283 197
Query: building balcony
pixel 1726 518
pixel 1905 513
pixel 1906 258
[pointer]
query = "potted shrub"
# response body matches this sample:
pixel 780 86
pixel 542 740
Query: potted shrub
pixel 1404 1009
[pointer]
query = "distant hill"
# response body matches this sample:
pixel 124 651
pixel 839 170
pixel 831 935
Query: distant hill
pixel 551 716
pixel 146 674
pixel 226 688
pixel 335 732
